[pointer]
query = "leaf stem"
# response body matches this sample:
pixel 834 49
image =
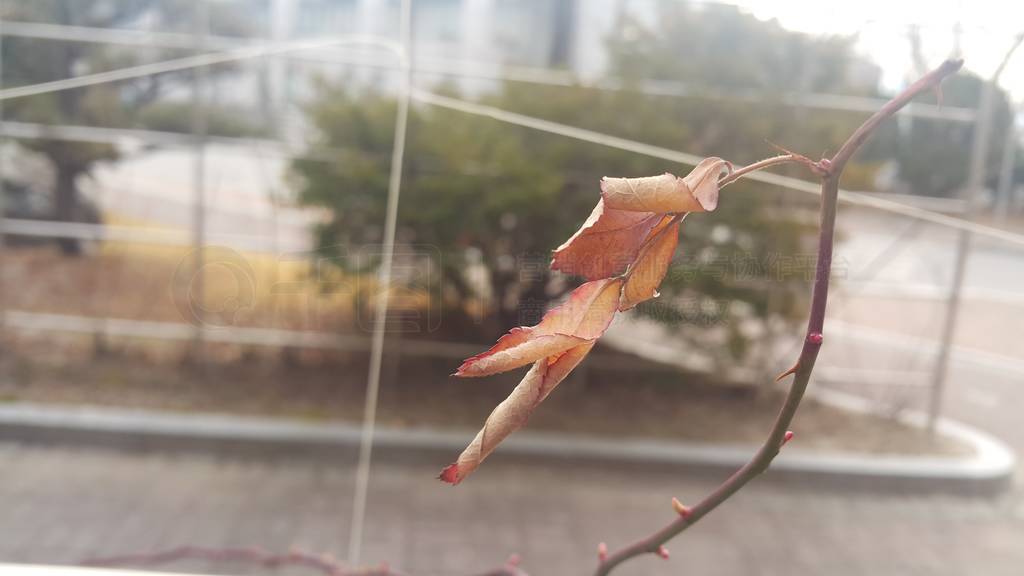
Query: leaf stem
pixel 831 170
pixel 759 165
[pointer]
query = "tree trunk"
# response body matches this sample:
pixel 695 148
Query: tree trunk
pixel 66 205
pixel 534 299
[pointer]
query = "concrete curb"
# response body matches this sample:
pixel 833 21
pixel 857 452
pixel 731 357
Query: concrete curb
pixel 992 466
pixel 987 473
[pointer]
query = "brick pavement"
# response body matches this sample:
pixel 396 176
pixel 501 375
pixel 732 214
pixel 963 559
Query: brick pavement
pixel 62 504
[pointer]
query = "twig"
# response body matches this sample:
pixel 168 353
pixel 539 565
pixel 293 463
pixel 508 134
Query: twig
pixel 831 170
pixel 324 564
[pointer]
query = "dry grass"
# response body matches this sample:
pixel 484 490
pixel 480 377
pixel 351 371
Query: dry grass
pixel 139 282
pixel 153 283
pixel 418 392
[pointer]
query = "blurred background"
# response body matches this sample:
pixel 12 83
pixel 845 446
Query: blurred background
pixel 196 241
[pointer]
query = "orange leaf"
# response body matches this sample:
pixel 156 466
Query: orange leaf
pixel 515 410
pixel 582 318
pixel 696 192
pixel 606 243
pixel 651 266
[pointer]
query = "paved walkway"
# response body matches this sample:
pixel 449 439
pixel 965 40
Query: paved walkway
pixel 63 504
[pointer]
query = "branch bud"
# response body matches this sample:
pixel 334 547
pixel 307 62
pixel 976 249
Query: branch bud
pixel 602 552
pixel 825 166
pixel 680 508
pixel 663 552
pixel 815 337
pixel 787 437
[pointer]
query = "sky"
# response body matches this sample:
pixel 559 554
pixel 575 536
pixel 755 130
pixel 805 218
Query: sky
pixel 988 30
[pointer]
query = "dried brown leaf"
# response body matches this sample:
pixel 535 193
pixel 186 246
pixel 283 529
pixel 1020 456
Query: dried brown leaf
pixel 515 410
pixel 582 318
pixel 651 265
pixel 696 192
pixel 606 244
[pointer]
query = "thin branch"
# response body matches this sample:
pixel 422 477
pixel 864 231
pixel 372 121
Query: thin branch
pixel 759 165
pixel 927 82
pixel 831 170
pixel 323 564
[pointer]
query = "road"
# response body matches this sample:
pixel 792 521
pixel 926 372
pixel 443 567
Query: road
pixel 62 505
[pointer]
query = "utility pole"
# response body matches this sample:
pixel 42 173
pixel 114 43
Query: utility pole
pixel 196 289
pixel 975 182
pixel 1005 188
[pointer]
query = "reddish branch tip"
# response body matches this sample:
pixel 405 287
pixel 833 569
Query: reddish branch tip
pixel 680 508
pixel 450 474
pixel 815 337
pixel 787 437
pixel 663 552
pixel 513 561
pixel 602 551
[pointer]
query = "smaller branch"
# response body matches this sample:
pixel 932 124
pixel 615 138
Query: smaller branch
pixel 762 164
pixel 324 564
pixel 925 83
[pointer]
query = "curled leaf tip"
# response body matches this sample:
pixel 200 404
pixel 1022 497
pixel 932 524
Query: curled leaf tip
pixel 450 474
pixel 515 410
pixel 696 192
pixel 657 195
pixel 702 181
